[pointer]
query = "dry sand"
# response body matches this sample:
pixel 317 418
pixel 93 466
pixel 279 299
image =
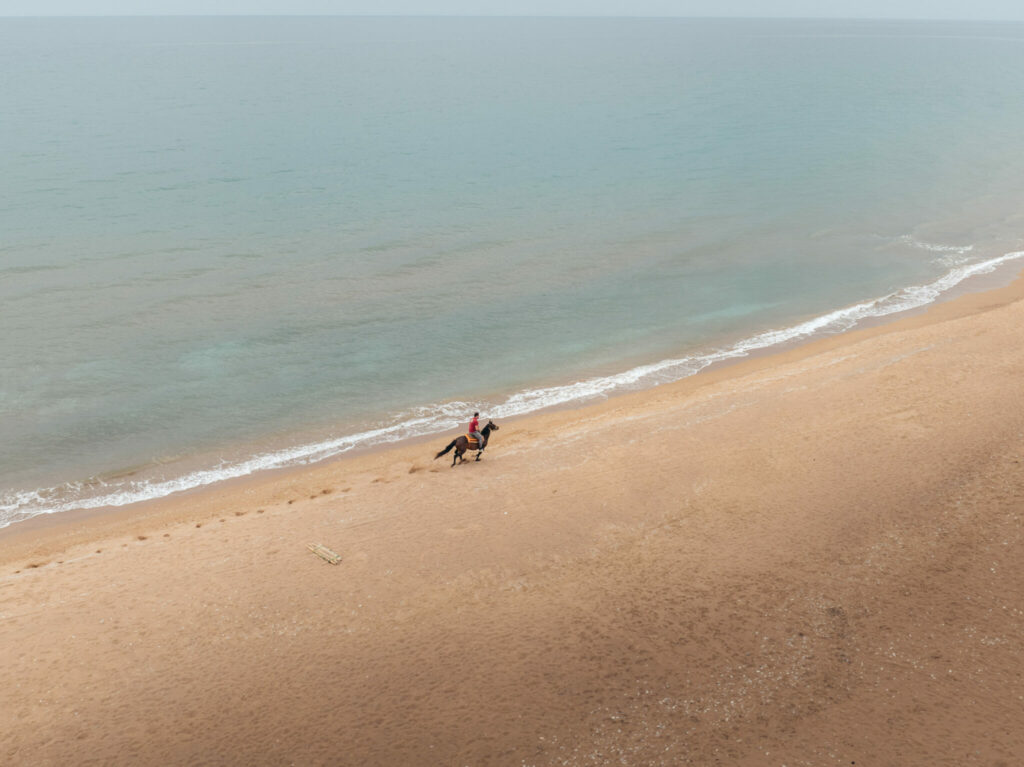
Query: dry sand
pixel 813 558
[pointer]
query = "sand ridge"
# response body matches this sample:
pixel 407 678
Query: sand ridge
pixel 809 559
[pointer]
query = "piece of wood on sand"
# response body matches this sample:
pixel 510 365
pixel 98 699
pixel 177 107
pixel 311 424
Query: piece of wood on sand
pixel 324 553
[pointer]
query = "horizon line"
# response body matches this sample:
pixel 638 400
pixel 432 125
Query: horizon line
pixel 494 16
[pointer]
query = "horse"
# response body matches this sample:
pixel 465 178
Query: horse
pixel 462 444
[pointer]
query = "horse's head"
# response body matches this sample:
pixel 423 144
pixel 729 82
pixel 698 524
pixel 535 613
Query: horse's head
pixel 491 426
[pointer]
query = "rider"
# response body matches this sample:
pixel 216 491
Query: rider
pixel 474 430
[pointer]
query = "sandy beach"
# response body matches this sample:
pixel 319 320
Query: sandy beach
pixel 810 558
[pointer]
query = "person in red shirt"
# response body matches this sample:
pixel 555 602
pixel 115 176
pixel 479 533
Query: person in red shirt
pixel 474 430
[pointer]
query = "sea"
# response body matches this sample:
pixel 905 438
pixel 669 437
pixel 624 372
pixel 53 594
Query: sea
pixel 233 244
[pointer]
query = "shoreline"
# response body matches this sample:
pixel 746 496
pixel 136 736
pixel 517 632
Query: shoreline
pixel 999 274
pixel 962 301
pixel 802 558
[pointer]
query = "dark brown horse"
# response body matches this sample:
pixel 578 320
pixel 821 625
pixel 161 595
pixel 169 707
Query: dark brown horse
pixel 462 444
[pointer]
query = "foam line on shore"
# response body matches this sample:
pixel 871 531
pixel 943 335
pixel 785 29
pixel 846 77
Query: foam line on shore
pixel 438 418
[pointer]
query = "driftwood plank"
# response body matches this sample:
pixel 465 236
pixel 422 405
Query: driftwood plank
pixel 324 553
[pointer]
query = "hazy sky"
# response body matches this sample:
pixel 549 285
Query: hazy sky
pixel 935 9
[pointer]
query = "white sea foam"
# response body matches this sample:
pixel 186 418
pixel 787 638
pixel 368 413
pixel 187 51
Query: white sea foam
pixel 913 241
pixel 948 256
pixel 433 419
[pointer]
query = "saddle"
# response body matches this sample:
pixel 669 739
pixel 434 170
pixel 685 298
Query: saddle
pixel 473 442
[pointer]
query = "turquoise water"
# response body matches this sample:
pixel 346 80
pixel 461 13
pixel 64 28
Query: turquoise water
pixel 236 243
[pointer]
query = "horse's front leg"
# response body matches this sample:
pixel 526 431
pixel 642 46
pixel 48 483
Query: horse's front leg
pixel 480 453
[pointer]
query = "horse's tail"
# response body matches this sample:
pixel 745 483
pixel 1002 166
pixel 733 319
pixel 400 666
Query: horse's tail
pixel 450 446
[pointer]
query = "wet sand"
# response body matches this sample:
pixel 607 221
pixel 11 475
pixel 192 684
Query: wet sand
pixel 809 558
